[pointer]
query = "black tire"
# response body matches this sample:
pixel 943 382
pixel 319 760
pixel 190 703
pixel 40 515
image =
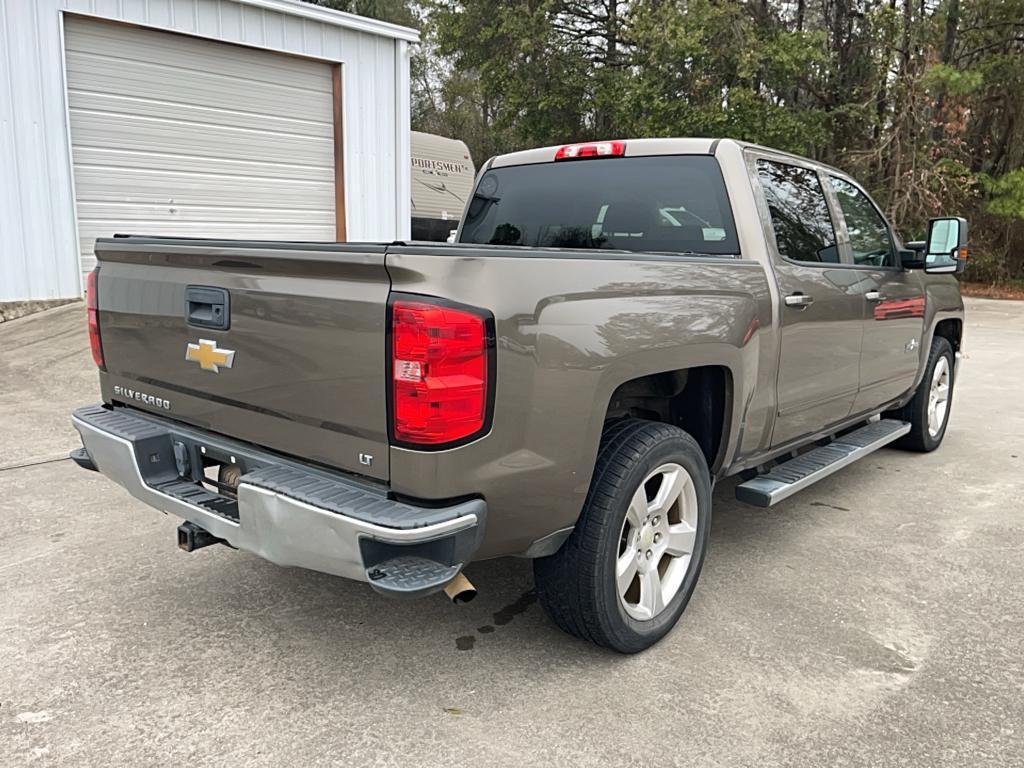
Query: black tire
pixel 576 585
pixel 919 438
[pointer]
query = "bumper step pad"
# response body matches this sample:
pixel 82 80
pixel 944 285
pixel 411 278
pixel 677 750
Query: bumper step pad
pixel 410 576
pixel 794 475
pixel 193 493
pixel 345 499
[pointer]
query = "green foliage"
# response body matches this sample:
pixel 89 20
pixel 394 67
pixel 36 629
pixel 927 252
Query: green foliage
pixel 942 78
pixel 720 75
pixel 1006 194
pixel 393 11
pixel 921 101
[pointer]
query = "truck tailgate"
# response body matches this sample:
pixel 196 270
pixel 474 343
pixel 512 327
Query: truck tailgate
pixel 305 323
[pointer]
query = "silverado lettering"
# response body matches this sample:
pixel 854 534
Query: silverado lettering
pixel 142 397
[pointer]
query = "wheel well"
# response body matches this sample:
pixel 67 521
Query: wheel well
pixel 693 399
pixel 950 329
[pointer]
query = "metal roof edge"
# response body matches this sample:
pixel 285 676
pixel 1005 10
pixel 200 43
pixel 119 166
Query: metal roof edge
pixel 335 18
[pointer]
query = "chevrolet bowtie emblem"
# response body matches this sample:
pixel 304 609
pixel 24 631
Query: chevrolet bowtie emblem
pixel 209 356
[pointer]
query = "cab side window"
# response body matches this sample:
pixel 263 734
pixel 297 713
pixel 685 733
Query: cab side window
pixel 799 212
pixel 869 235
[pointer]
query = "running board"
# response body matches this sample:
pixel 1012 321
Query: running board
pixel 784 480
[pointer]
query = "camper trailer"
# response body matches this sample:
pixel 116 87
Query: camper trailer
pixel 442 180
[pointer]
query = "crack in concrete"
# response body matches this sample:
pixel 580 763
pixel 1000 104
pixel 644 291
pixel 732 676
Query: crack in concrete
pixel 34 463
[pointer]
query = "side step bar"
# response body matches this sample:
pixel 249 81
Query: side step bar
pixel 784 480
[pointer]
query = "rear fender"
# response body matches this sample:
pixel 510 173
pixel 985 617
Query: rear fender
pixel 572 327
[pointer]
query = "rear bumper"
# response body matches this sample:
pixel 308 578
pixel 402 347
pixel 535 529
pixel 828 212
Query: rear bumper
pixel 288 513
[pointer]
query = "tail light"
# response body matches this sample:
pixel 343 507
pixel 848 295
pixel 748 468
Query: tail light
pixel 591 149
pixel 441 372
pixel 92 309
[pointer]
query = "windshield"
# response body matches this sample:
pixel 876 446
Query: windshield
pixel 675 203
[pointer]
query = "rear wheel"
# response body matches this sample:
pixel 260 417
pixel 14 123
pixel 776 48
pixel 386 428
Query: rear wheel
pixel 928 411
pixel 625 575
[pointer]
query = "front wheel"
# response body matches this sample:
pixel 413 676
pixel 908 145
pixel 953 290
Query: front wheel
pixel 928 411
pixel 625 575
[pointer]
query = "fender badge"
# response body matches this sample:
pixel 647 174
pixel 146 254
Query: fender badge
pixel 911 345
pixel 209 356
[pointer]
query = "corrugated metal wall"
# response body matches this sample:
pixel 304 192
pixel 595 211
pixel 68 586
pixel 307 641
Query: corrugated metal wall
pixel 38 245
pixel 38 248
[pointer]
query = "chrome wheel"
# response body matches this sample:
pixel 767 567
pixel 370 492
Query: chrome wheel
pixel 656 543
pixel 938 397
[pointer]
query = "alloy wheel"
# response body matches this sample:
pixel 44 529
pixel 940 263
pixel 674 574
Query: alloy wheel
pixel 938 397
pixel 657 541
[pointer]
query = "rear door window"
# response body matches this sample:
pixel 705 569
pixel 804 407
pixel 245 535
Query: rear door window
pixel 799 212
pixel 675 204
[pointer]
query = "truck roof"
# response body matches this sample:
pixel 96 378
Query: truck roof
pixel 646 147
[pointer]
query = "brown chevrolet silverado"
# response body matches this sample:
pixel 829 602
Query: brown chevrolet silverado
pixel 617 326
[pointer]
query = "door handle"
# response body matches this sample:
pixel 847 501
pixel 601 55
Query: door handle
pixel 873 296
pixel 207 307
pixel 799 300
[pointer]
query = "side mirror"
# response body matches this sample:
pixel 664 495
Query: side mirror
pixel 947 245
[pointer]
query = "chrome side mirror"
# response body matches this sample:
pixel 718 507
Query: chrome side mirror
pixel 946 250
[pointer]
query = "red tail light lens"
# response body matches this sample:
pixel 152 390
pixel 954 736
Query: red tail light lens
pixel 439 372
pixel 92 309
pixel 592 149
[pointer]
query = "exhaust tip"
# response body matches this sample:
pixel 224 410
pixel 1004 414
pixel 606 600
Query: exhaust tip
pixel 460 589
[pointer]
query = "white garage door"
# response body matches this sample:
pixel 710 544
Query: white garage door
pixel 176 135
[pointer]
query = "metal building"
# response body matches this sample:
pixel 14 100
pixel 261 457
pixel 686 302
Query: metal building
pixel 270 119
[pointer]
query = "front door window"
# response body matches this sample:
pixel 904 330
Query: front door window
pixel 869 234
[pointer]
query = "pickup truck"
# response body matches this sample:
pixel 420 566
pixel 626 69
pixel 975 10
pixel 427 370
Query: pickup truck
pixel 617 326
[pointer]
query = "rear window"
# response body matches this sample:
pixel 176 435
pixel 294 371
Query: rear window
pixel 675 204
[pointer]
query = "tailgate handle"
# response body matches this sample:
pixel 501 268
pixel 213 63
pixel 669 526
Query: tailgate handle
pixel 207 307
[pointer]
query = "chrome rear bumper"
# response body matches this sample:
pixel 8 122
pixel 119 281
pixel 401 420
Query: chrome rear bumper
pixel 277 518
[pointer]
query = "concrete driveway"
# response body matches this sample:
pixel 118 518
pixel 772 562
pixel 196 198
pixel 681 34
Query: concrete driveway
pixel 876 619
